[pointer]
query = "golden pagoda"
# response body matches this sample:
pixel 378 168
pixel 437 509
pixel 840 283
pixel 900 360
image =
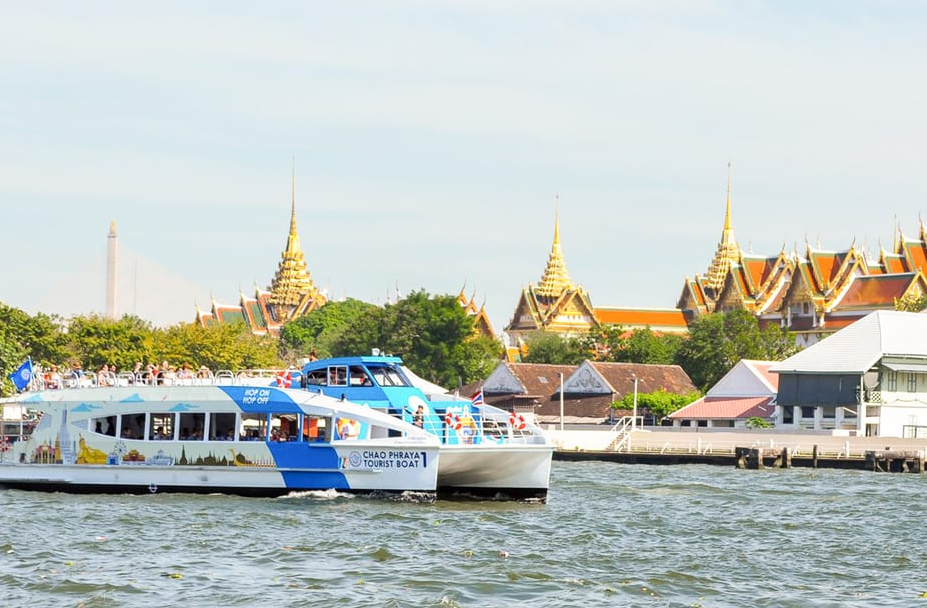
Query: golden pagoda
pixel 556 304
pixel 728 253
pixel 292 281
pixel 291 294
pixel 555 279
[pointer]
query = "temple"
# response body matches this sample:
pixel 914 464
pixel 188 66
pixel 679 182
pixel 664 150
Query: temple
pixel 291 294
pixel 481 324
pixel 811 293
pixel 556 304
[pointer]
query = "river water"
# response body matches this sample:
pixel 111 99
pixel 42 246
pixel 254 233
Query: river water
pixel 610 535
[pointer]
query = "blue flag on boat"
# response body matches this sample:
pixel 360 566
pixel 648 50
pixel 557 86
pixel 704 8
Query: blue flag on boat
pixel 23 375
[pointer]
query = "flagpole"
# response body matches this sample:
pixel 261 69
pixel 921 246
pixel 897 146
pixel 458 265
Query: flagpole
pixel 561 401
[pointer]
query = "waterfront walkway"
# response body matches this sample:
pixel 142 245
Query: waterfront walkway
pixel 657 445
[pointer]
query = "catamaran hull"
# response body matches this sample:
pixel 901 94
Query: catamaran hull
pixel 243 481
pixel 496 471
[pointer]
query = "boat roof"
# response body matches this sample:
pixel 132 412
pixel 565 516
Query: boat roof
pixel 354 360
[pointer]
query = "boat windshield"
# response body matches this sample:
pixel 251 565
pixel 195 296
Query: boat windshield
pixel 387 375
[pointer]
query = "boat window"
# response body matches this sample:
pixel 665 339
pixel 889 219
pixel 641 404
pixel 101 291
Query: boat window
pixel 253 427
pixel 387 376
pixel 192 426
pixel 315 428
pixel 105 425
pixel 284 427
pixel 359 377
pixel 161 426
pixel 338 375
pixel 317 377
pixel 222 427
pixel 132 426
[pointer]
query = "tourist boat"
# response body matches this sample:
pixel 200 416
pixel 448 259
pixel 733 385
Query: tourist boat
pixel 246 440
pixel 485 451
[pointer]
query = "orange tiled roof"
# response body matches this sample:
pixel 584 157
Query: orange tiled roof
pixel 915 254
pixel 876 290
pixel 671 317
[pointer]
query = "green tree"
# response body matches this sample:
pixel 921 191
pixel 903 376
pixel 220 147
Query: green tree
pixel 229 346
pixel 641 345
pixel 755 422
pixel 716 342
pixel 319 329
pixel 96 340
pixel 554 349
pixel 659 403
pixel 433 334
pixel 40 336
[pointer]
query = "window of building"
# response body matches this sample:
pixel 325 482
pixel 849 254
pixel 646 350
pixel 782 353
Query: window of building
pixel 892 381
pixel 912 382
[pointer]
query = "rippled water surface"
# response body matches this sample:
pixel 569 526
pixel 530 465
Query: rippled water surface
pixel 610 535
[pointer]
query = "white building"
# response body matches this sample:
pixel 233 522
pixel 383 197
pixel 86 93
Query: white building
pixel 869 378
pixel 747 391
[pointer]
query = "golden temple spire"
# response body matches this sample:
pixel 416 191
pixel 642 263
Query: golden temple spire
pixel 292 281
pixel 728 252
pixel 556 279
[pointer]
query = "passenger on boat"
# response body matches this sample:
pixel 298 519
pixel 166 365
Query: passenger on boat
pixel 359 377
pixel 105 377
pixel 467 427
pixel 53 378
pixel 418 418
pixel 185 373
pixel 203 372
pixel 137 371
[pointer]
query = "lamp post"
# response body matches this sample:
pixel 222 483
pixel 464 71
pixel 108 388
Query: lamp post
pixel 561 401
pixel 634 411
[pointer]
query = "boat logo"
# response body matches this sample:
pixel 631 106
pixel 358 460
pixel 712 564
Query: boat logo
pixel 354 458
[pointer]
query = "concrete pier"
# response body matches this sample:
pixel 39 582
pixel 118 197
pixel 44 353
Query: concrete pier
pixel 771 448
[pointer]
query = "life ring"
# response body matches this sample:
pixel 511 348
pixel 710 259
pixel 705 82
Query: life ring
pixel 284 379
pixel 452 420
pixel 517 421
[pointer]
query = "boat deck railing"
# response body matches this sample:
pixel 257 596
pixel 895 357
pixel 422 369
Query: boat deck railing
pixel 201 377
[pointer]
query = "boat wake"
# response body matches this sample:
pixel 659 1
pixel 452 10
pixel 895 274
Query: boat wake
pixel 319 494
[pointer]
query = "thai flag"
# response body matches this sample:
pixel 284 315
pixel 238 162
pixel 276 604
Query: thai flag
pixel 23 375
pixel 477 399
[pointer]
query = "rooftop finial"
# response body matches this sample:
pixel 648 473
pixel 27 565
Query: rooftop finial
pixel 555 279
pixel 727 214
pixel 293 203
pixel 728 252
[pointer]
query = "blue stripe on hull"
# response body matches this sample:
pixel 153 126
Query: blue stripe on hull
pixel 299 480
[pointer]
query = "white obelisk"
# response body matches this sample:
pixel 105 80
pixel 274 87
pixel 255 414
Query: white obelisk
pixel 111 271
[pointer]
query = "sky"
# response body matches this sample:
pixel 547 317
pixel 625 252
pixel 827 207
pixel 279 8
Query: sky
pixel 432 138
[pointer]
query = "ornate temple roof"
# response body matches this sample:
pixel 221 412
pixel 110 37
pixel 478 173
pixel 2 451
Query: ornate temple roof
pixel 555 279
